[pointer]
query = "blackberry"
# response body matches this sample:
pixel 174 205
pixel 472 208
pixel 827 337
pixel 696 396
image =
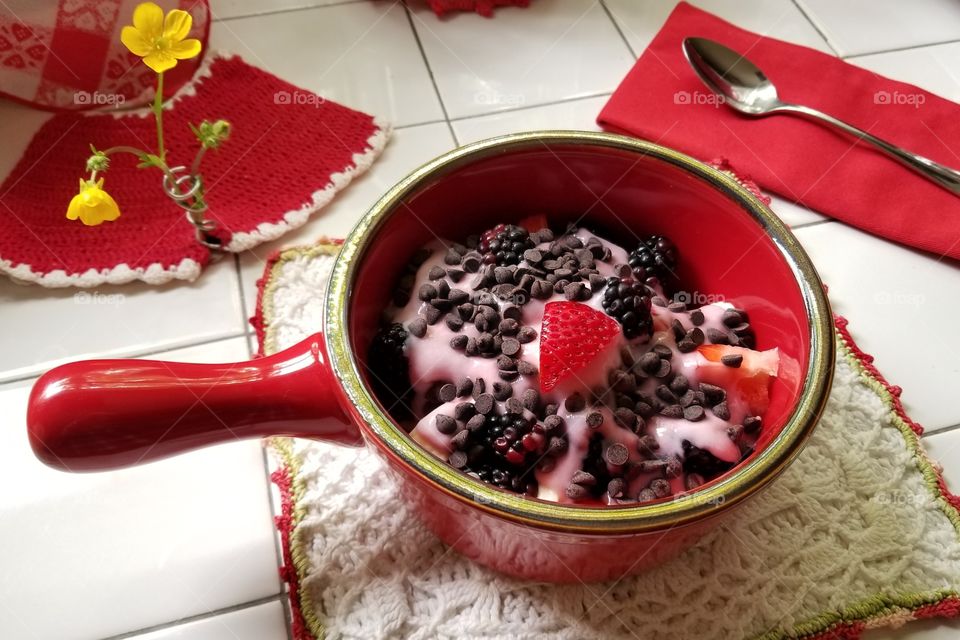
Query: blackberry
pixel 656 257
pixel 504 451
pixel 626 300
pixel 504 244
pixel 390 376
pixel 697 460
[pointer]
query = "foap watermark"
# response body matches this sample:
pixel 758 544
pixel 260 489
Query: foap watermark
pixel 99 299
pixel 899 298
pixel 899 97
pixel 495 98
pixel 98 99
pixel 697 298
pixel 298 98
pixel 698 97
pixel 899 498
pixel 700 498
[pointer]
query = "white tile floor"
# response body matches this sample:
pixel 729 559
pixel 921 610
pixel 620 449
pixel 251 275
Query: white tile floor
pixel 184 548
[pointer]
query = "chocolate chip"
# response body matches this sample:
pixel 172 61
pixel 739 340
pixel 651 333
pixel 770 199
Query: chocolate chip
pixel 686 346
pixel 445 424
pixel 694 413
pixel 658 301
pixel 427 292
pixel 559 285
pixel 512 312
pixel 464 387
pixel 597 282
pixel 692 481
pixel 712 393
pixel 525 368
pixel 509 327
pixel 471 263
pixel 510 346
pixel 647 444
pixel 464 411
pixel 531 399
pixel 471 348
pixel 466 311
pixel 576 492
pixel 696 336
pixel 664 369
pixel 584 478
pixel 552 422
pixel 735 431
pixel 455 275
pixel 502 390
pixel 615 488
pixel 732 360
pixel 574 402
pixel 616 454
pixel 526 334
pixel 678 331
pixel 752 424
pixel 541 289
pixel 506 363
pixel 625 418
pixel 643 409
pixel 485 342
pixel 454 323
pixel 460 439
pixel 448 392
pixel 432 314
pixel 484 403
pixel 594 419
pixel 508 375
pixel 664 393
pixel 515 405
pixel 660 488
pixel 480 386
pixel 459 342
pixel 457 459
pixel 696 317
pixel 679 385
pixel 533 256
pixel 674 467
pixel 662 350
pixel 656 465
pixel 650 362
pixel 715 336
pixel 731 318
pixel 575 291
pixel 476 422
pixel 436 272
pixel 417 327
pixel 458 296
pixel 551 409
pixel 672 411
pixel 646 495
pixel 452 258
pixel 676 307
pixel 742 329
pixel 721 411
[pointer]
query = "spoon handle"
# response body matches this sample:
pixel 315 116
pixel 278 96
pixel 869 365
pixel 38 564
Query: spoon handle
pixel 944 176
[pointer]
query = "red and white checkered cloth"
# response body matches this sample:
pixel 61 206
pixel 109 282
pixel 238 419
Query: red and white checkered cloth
pixel 67 54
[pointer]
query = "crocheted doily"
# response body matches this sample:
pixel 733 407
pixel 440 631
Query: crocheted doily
pixel 860 532
pixel 289 153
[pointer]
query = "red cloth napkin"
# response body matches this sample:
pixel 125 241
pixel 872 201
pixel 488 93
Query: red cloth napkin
pixel 483 7
pixel 662 99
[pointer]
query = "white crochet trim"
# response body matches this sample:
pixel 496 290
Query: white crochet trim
pixel 851 518
pixel 265 231
pixel 189 269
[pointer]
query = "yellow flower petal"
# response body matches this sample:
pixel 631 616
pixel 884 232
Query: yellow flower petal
pixel 93 205
pixel 186 49
pixel 160 61
pixel 148 19
pixel 177 25
pixel 135 42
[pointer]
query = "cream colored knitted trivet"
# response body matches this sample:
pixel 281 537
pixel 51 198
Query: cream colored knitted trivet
pixel 858 533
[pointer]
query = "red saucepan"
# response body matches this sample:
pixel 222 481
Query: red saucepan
pixel 103 414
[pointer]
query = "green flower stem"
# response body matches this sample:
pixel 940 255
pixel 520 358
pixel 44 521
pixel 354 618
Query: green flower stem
pixel 158 116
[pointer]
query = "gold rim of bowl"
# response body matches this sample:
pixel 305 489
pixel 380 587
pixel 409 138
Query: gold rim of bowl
pixel 682 509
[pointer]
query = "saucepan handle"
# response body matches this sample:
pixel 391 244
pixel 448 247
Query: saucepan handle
pixel 104 414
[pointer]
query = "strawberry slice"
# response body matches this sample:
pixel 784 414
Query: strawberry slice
pixel 571 336
pixel 534 223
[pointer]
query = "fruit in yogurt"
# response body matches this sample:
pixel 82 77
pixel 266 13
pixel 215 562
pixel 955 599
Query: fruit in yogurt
pixel 557 366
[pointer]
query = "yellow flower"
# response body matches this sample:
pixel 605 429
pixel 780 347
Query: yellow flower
pixel 158 40
pixel 93 205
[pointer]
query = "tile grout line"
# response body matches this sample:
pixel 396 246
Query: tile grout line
pixel 807 225
pixel 527 107
pixel 616 26
pixel 127 355
pixel 898 49
pixel 931 433
pixel 433 79
pixel 195 618
pixel 816 27
pixel 308 7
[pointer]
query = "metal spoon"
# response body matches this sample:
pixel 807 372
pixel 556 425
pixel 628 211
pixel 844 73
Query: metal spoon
pixel 745 88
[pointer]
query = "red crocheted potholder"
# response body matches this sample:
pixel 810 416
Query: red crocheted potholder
pixel 289 152
pixel 483 7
